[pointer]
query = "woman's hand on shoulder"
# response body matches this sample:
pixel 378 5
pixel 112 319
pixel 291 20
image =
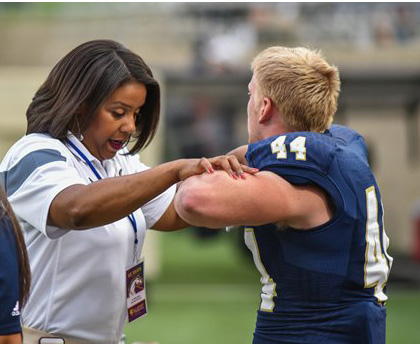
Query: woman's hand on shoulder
pixel 227 163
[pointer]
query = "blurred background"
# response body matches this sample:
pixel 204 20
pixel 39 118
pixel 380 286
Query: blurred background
pixel 202 285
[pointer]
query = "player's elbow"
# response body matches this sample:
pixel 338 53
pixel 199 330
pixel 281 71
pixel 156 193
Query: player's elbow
pixel 190 204
pixel 187 203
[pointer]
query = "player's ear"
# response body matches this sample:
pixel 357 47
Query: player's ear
pixel 267 110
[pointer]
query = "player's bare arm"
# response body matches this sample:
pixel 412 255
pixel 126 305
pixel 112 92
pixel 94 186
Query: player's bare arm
pixel 258 199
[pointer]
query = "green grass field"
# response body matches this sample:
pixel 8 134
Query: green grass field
pixel 208 292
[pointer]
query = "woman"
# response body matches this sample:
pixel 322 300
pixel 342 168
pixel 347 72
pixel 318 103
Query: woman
pixel 73 172
pixel 15 275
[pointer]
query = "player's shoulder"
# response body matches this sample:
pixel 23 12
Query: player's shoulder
pixel 343 134
pixel 294 149
pixel 349 140
pixel 307 149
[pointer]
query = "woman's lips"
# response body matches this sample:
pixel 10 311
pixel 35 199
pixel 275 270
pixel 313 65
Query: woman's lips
pixel 116 144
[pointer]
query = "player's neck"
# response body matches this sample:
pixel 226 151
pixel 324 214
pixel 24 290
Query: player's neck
pixel 273 130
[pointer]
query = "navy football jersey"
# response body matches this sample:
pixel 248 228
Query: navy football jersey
pixel 9 279
pixel 326 284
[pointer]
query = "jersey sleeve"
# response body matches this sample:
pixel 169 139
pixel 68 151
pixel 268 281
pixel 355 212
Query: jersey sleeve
pixel 301 158
pixel 34 180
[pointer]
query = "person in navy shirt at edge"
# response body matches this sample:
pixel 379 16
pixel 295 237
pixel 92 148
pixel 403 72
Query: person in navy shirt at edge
pixel 14 274
pixel 313 214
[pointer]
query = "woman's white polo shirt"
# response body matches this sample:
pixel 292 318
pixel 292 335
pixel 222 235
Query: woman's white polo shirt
pixel 78 277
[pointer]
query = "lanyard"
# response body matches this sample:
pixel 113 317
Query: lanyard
pixel 131 216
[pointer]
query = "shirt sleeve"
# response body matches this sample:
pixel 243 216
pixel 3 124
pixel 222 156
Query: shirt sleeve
pixel 154 209
pixel 34 182
pixel 9 280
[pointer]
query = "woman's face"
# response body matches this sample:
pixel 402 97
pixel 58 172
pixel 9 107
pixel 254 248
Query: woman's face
pixel 115 121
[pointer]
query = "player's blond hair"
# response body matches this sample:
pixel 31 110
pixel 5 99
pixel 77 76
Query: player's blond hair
pixel 302 85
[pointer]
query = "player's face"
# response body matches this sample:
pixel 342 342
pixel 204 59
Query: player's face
pixel 115 121
pixel 252 110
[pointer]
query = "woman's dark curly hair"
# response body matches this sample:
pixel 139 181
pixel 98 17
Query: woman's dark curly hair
pixel 82 80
